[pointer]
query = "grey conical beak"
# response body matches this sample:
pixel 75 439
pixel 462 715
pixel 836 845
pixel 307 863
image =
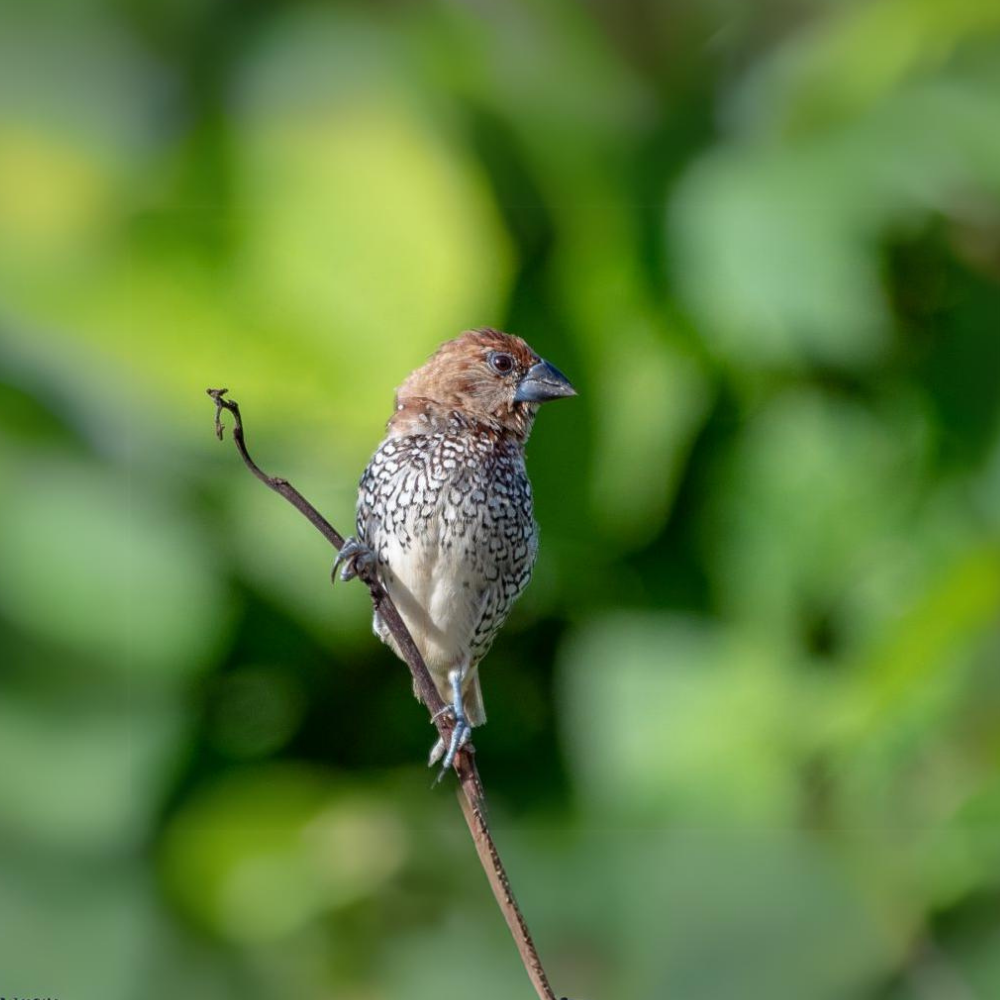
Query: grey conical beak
pixel 541 382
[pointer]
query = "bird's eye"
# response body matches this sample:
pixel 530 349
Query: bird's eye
pixel 502 364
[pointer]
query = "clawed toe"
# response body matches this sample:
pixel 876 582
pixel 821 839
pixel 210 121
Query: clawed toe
pixel 437 752
pixel 446 752
pixel 459 737
pixel 353 557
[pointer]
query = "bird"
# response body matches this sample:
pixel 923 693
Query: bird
pixel 445 512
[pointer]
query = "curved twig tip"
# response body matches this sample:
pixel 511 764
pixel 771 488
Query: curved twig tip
pixel 220 402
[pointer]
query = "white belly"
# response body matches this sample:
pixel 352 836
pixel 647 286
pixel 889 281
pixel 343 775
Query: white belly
pixel 440 598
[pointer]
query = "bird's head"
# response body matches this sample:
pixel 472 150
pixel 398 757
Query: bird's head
pixel 487 376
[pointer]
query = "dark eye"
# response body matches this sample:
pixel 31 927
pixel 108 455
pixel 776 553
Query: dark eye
pixel 502 364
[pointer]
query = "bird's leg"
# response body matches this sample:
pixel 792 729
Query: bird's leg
pixel 460 733
pixel 354 555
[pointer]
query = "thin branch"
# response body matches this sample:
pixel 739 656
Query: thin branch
pixel 472 795
pixel 282 486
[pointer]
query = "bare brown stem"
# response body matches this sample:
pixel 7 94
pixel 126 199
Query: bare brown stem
pixel 472 795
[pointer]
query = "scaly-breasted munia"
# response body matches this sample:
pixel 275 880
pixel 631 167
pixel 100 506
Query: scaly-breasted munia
pixel 445 508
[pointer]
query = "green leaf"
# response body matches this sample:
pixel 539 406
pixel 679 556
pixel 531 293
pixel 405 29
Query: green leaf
pixel 94 561
pixel 256 856
pixel 669 716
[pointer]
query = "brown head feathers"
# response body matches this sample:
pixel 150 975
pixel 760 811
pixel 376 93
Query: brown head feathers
pixel 470 381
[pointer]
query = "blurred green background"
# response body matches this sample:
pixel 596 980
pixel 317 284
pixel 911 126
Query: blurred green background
pixel 744 734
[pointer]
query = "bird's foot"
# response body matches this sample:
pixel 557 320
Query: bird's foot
pixel 353 557
pixel 460 732
pixel 446 752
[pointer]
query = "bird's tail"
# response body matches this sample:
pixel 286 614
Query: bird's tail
pixel 472 697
